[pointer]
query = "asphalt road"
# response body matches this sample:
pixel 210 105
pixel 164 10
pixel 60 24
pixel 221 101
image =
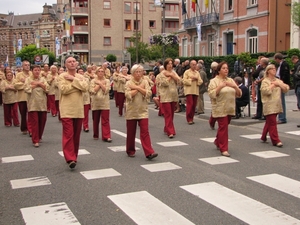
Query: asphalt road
pixel 188 183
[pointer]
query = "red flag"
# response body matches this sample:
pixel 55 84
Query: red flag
pixel 194 2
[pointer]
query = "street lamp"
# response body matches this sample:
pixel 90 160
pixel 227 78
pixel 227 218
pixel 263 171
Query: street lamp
pixel 136 32
pixel 164 26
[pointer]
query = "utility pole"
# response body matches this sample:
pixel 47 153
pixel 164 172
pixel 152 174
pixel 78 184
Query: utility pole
pixel 136 32
pixel 164 26
pixel 71 33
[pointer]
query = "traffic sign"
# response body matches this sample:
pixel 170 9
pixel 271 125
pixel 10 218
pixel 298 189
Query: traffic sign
pixel 37 59
pixel 18 61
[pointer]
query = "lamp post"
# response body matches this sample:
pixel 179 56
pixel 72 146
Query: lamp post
pixel 164 26
pixel 71 33
pixel 136 32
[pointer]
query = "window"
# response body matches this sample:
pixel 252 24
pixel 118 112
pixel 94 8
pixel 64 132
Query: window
pixel 26 36
pixel 20 35
pixel 136 25
pixel 127 24
pixel 107 41
pixel 4 37
pixel 252 2
pixel 127 43
pixel 172 7
pixel 152 7
pixel 106 22
pixel 106 4
pixel 32 35
pixel 136 7
pixel 152 24
pixel 228 5
pixel 81 39
pixel 127 7
pixel 196 46
pixel 211 45
pixel 252 41
pixel 184 47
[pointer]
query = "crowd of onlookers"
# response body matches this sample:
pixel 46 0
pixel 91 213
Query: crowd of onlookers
pixel 174 87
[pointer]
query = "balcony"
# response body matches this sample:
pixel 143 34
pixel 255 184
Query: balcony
pixel 171 14
pixel 171 30
pixel 205 20
pixel 76 48
pixel 80 11
pixel 80 29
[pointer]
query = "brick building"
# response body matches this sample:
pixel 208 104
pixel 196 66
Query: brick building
pixel 235 26
pixel 105 27
pixel 17 31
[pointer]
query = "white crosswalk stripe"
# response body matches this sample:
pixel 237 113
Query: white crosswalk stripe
pixel 280 183
pixel 240 206
pixel 30 182
pixel 58 214
pixel 145 209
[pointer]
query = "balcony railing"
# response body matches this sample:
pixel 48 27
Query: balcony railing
pixel 203 19
pixel 80 10
pixel 76 47
pixel 78 28
pixel 171 13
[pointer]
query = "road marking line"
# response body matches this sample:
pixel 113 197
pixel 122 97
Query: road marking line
pixel 218 160
pixel 158 167
pixel 30 182
pixel 172 143
pixel 80 152
pixel 19 158
pixel 57 213
pixel 145 209
pixel 268 154
pixel 280 183
pixel 103 173
pixel 240 206
pixel 125 135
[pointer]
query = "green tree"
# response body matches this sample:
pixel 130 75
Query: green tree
pixel 30 51
pixel 111 58
pixel 296 14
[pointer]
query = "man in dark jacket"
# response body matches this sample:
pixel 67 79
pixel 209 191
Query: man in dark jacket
pixel 243 100
pixel 296 79
pixel 283 73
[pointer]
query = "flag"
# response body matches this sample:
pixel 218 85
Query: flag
pixel 6 62
pixel 57 47
pixel 157 2
pixel 183 8
pixel 19 44
pixel 67 21
pixel 199 31
pixel 206 3
pixel 14 46
pixel 37 38
pixel 194 2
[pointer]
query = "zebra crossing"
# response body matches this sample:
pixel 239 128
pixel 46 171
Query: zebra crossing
pixel 137 204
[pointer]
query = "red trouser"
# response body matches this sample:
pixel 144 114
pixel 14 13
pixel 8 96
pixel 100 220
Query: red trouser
pixel 85 122
pixel 212 121
pixel 11 114
pixel 37 121
pixel 51 102
pixel 191 102
pixel 121 100
pixel 105 126
pixel 57 108
pixel 71 137
pixel 271 127
pixel 169 109
pixel 23 111
pixel 222 133
pixel 116 98
pixel 144 136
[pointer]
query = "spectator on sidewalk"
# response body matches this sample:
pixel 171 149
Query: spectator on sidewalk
pixel 243 100
pixel 283 73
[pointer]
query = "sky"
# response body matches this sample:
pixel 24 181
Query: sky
pixel 21 7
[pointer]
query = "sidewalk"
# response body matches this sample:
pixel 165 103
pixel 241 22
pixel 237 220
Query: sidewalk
pixel 290 100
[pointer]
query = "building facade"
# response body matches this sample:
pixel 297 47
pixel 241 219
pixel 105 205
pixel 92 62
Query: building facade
pixel 102 27
pixel 234 26
pixel 18 31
